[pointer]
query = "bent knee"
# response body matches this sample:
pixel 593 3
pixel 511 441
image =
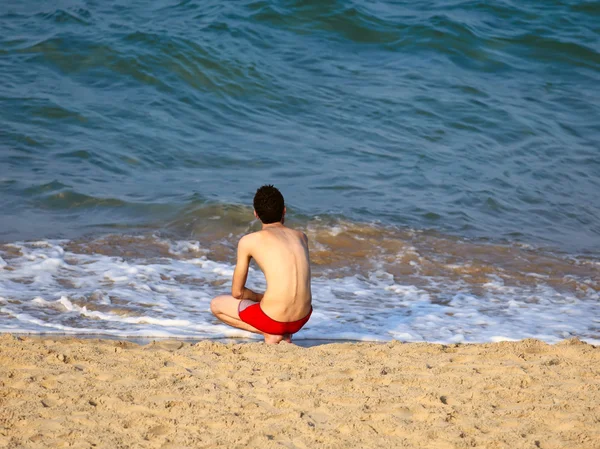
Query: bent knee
pixel 218 305
pixel 214 306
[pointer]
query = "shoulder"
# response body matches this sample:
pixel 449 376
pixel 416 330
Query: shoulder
pixel 248 241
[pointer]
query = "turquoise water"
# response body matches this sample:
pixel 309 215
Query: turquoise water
pixel 443 157
pixel 474 118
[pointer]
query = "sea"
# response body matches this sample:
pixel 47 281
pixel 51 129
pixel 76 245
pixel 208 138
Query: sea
pixel 443 157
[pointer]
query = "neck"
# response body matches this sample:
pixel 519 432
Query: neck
pixel 272 225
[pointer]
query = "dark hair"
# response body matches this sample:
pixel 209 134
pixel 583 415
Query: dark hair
pixel 268 204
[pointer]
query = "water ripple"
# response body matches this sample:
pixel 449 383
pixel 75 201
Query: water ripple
pixel 471 117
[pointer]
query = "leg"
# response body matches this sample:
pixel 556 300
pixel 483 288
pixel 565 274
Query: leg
pixel 225 308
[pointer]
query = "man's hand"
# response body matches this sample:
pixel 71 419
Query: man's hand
pixel 251 295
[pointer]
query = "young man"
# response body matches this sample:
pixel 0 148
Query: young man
pixel 282 254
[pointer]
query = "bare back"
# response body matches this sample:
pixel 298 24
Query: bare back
pixel 282 255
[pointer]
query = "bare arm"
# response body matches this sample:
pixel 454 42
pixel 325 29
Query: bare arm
pixel 304 238
pixel 240 274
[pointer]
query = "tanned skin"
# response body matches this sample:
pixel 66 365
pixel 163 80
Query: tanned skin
pixel 282 255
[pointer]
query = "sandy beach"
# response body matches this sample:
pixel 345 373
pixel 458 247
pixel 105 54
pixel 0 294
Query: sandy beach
pixel 67 392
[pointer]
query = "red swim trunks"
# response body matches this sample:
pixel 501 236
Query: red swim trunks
pixel 251 313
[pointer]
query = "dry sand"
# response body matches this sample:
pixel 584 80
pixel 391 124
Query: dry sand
pixel 109 394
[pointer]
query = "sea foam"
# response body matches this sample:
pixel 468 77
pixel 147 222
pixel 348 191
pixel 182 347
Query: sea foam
pixel 50 289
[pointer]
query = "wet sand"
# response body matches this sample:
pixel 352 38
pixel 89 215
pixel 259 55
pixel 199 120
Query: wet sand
pixel 82 393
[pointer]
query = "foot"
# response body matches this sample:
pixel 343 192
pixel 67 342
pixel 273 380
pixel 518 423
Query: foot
pixel 272 339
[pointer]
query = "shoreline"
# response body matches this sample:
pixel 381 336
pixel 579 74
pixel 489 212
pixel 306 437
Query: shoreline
pixel 144 341
pixel 81 393
pixel 302 342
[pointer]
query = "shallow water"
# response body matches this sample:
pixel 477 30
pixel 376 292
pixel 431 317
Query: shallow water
pixel 369 283
pixel 442 156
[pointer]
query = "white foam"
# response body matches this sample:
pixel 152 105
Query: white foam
pixel 184 247
pixel 335 230
pixel 499 338
pixel 171 297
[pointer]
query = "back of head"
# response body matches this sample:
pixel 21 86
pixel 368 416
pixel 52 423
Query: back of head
pixel 268 204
